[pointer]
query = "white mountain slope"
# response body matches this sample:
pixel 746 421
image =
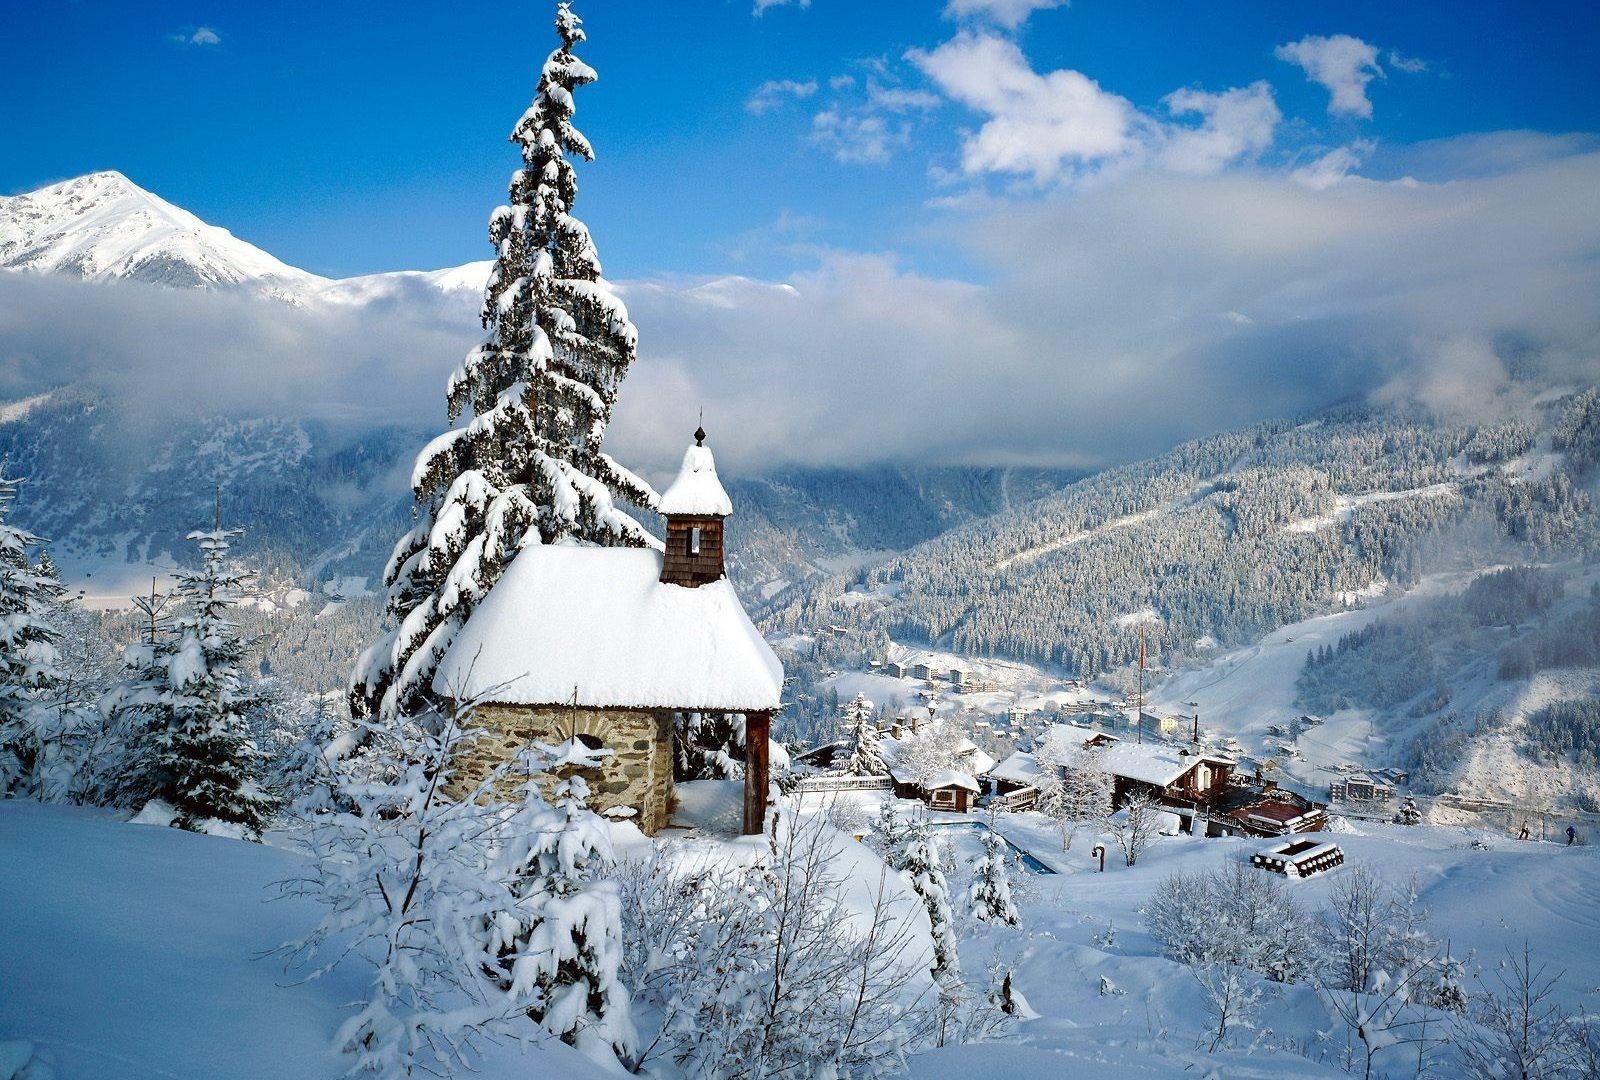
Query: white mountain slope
pixel 105 227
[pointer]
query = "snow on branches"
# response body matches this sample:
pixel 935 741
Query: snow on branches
pixel 527 467
pixel 38 725
pixel 184 707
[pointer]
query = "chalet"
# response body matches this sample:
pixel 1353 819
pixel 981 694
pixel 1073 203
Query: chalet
pixel 1175 777
pixel 965 757
pixel 950 789
pixel 1019 773
pixel 612 646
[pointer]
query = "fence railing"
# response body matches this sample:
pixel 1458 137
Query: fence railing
pixel 843 783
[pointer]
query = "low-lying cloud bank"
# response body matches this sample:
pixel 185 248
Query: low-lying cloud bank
pixel 1119 318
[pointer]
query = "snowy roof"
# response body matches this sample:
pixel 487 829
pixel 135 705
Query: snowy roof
pixel 1153 763
pixel 1062 738
pixel 1018 768
pixel 697 489
pixel 950 778
pixel 598 623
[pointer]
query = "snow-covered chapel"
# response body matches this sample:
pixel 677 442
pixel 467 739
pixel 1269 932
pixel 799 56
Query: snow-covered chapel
pixel 611 645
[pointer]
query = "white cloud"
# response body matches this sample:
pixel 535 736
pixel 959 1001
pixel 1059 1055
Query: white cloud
pixel 1038 124
pixel 858 138
pixel 1102 329
pixel 203 35
pixel 761 6
pixel 774 92
pixel 1411 65
pixel 1121 317
pixel 1342 64
pixel 1007 13
pixel 868 130
pixel 1334 166
pixel 1234 125
pixel 899 98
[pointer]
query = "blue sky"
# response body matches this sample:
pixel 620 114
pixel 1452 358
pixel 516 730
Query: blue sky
pixel 353 137
pixel 962 230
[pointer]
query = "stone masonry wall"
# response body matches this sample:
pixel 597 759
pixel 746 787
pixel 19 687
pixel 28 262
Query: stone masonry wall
pixel 637 774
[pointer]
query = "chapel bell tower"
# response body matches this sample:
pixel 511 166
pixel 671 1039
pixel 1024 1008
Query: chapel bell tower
pixel 695 506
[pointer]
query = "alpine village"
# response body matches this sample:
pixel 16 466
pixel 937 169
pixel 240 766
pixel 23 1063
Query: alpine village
pixel 1146 622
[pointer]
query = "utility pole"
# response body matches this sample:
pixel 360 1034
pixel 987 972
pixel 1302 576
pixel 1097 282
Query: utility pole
pixel 1138 709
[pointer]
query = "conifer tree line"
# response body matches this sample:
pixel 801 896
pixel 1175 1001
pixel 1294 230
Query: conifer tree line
pixel 171 733
pixel 1225 538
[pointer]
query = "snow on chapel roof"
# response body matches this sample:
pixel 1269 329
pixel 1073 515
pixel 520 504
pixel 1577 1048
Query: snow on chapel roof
pixel 599 621
pixel 697 491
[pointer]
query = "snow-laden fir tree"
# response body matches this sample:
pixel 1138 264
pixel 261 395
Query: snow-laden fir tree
pixel 528 466
pixel 559 943
pixel 866 755
pixel 37 725
pixel 186 703
pixel 990 894
pixel 918 858
pixel 1408 814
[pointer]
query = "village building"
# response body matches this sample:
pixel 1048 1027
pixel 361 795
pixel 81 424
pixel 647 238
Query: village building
pixel 951 789
pixel 613 646
pixel 1018 775
pixel 964 760
pixel 1172 776
pixel 1275 812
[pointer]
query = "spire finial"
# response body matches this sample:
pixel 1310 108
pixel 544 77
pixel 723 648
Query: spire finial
pixel 700 434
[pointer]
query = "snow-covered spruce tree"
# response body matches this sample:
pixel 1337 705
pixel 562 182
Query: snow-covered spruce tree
pixel 920 863
pixel 559 943
pixel 528 467
pixel 192 694
pixel 991 884
pixel 866 756
pixel 36 723
pixel 1408 813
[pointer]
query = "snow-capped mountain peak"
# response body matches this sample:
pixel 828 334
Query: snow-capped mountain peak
pixel 103 226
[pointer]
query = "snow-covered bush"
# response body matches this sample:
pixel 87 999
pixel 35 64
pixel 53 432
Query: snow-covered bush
pixel 405 883
pixel 1515 1030
pixel 1368 928
pixel 558 942
pixel 1235 914
pixel 1136 826
pixel 764 971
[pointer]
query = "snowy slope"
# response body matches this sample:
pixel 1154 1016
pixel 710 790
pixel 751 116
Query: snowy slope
pixel 135 953
pixel 105 227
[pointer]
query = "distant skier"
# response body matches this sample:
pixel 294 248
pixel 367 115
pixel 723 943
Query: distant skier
pixel 1524 835
pixel 1572 834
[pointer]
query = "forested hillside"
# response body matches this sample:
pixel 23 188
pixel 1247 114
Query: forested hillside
pixel 1227 537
